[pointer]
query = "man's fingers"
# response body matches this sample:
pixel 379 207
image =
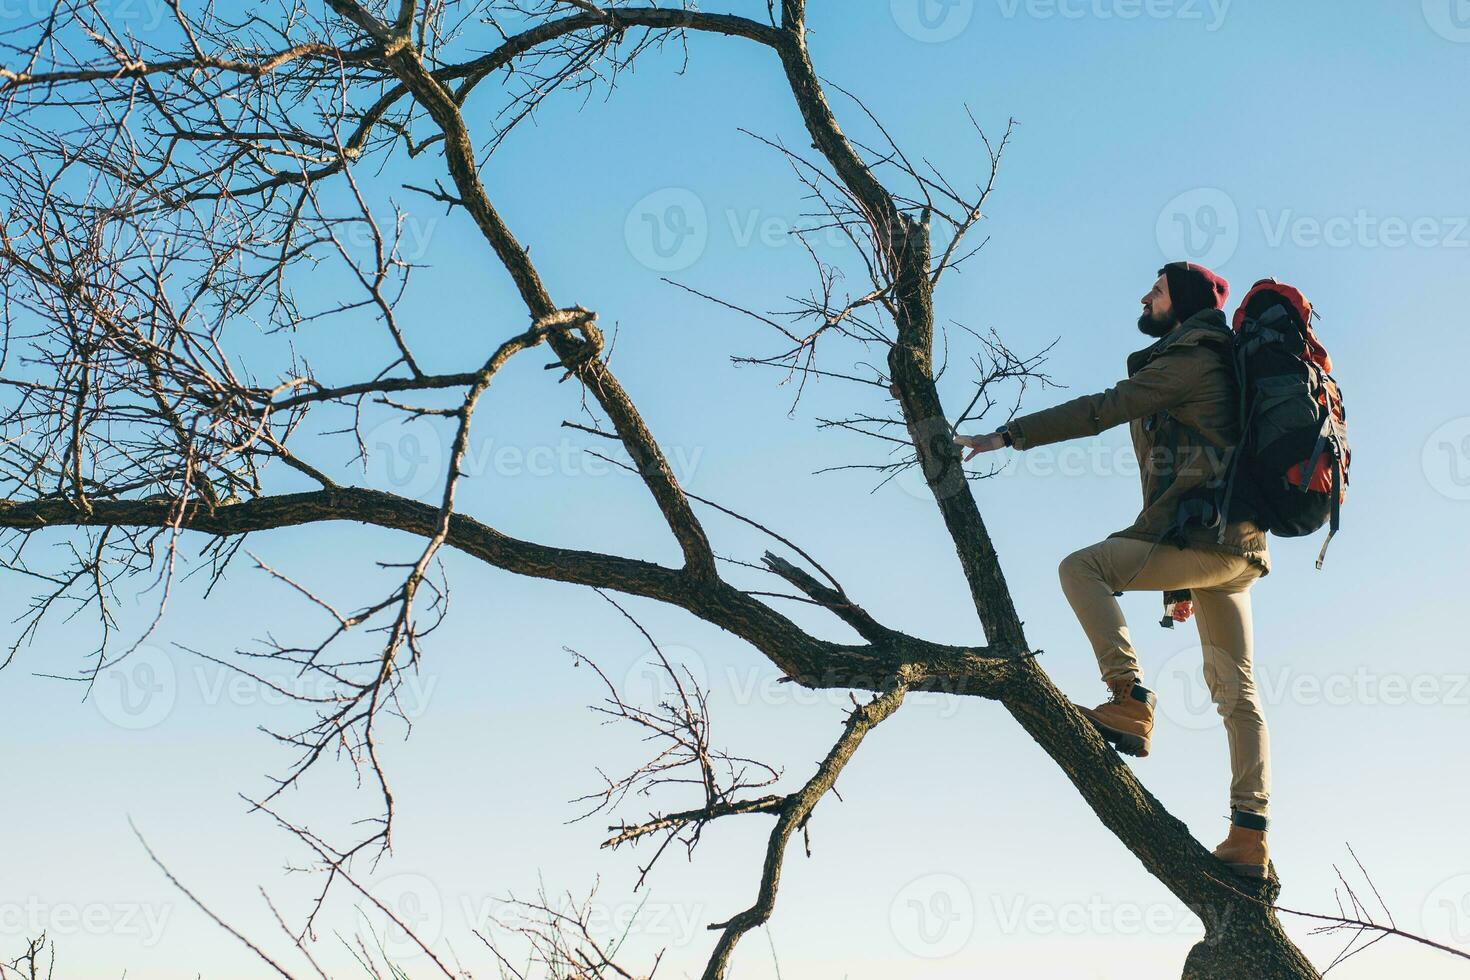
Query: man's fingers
pixel 978 445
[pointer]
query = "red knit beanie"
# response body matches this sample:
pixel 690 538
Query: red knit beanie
pixel 1193 288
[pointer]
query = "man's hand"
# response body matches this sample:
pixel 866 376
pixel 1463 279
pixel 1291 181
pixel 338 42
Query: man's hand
pixel 980 444
pixel 1181 611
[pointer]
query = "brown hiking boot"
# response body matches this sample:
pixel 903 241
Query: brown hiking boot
pixel 1244 850
pixel 1127 719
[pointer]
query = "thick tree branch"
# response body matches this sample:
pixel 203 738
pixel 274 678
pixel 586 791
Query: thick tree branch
pixel 902 244
pixel 803 658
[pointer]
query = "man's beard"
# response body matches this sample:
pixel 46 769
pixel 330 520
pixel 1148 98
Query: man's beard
pixel 1149 325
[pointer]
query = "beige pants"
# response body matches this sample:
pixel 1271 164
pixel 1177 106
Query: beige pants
pixel 1221 585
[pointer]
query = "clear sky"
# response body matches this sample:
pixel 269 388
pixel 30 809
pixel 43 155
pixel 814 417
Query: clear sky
pixel 1322 142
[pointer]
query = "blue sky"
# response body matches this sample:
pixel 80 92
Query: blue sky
pixel 1322 143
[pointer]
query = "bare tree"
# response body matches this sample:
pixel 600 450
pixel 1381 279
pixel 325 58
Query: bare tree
pixel 165 194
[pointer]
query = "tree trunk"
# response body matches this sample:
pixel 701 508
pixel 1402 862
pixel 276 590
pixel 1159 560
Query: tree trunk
pixel 1247 941
pixel 1243 938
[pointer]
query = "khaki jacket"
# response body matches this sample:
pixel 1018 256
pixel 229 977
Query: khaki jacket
pixel 1182 405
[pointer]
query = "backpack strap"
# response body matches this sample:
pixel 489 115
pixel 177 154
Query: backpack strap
pixel 1234 454
pixel 1336 507
pixel 1232 465
pixel 1326 436
pixel 1166 418
pixel 1193 510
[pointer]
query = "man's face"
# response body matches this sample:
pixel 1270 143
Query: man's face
pixel 1158 310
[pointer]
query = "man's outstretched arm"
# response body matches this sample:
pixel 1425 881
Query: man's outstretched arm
pixel 1161 384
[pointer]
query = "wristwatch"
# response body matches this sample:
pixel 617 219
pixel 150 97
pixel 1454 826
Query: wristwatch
pixel 1005 436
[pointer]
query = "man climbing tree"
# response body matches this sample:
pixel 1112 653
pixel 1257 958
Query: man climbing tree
pixel 165 198
pixel 1181 402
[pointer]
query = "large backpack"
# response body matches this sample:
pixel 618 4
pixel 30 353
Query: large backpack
pixel 1290 472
